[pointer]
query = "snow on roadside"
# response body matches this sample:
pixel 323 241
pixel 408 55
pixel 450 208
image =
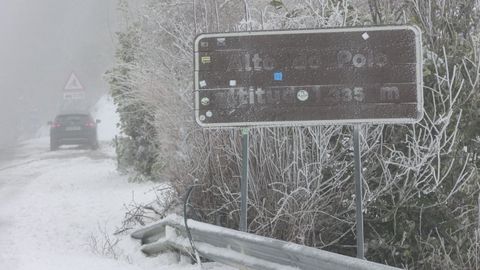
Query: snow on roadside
pixel 52 206
pixel 105 111
pixel 55 205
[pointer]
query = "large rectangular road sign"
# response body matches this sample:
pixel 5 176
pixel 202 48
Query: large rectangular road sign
pixel 309 77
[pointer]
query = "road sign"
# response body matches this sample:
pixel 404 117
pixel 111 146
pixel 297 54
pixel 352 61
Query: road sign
pixel 74 95
pixel 309 77
pixel 73 84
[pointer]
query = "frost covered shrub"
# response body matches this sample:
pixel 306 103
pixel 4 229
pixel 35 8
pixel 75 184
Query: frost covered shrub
pixel 138 149
pixel 421 181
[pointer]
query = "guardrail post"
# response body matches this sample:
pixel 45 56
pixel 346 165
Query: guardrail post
pixel 170 233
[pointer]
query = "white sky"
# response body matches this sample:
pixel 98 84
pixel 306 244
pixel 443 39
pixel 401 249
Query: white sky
pixel 41 43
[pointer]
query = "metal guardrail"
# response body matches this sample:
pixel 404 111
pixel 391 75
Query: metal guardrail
pixel 243 250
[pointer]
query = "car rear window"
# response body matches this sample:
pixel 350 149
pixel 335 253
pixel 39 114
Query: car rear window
pixel 65 119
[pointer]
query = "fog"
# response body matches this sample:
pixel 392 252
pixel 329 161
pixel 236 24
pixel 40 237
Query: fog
pixel 41 44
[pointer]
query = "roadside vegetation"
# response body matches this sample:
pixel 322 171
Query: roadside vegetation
pixel 421 181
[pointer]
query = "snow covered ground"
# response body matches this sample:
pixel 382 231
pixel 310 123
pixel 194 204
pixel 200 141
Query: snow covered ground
pixel 58 209
pixel 105 110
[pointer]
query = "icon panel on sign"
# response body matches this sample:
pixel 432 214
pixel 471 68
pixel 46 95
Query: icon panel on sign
pixel 221 42
pixel 278 76
pixel 206 59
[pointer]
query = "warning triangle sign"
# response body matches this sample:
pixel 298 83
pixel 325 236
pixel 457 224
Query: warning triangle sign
pixel 73 84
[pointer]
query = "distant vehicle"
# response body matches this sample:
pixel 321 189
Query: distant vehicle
pixel 73 129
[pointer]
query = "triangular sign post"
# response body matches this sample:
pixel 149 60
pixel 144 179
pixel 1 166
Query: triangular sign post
pixel 73 84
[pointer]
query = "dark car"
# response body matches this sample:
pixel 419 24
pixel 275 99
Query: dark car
pixel 73 129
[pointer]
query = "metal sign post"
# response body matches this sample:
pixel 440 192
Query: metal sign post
pixel 358 191
pixel 244 181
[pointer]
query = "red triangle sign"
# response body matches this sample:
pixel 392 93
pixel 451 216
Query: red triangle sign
pixel 73 84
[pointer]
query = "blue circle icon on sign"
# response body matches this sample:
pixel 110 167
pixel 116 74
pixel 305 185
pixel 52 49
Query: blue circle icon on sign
pixel 278 76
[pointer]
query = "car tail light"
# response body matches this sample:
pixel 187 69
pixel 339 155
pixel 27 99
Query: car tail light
pixel 90 124
pixel 56 125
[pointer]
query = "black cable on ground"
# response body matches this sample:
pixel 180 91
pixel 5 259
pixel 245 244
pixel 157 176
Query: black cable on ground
pixel 189 234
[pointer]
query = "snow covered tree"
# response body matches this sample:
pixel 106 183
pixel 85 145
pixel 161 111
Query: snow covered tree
pixel 138 149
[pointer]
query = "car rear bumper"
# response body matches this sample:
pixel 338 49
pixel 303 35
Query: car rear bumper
pixel 71 138
pixel 72 141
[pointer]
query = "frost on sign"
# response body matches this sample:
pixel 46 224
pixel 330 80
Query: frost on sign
pixel 309 77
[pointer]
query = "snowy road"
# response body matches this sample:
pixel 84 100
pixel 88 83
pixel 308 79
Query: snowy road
pixel 55 205
pixel 6 153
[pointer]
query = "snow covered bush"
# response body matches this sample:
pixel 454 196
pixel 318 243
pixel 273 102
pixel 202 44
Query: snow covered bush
pixel 138 148
pixel 421 181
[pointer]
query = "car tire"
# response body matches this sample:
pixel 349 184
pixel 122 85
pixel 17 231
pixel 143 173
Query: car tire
pixel 94 145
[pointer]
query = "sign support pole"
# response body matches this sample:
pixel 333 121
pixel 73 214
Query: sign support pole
pixel 244 181
pixel 358 191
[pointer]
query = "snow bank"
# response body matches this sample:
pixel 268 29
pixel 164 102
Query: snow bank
pixel 106 111
pixel 58 209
